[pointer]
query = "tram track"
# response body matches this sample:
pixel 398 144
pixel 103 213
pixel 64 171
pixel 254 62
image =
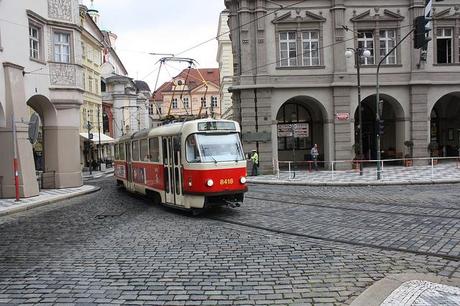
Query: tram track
pixel 354 209
pixel 356 200
pixel 335 240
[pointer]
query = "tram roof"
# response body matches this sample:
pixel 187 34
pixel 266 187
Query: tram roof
pixel 169 129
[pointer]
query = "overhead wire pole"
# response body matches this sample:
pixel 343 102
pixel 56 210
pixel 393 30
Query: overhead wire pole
pixel 378 109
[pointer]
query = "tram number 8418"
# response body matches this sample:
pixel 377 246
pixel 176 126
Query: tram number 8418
pixel 226 181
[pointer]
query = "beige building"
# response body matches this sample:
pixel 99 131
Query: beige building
pixel 225 60
pixel 192 93
pixel 40 52
pixel 91 110
pixel 291 68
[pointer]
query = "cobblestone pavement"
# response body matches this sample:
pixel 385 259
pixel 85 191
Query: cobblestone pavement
pixel 113 248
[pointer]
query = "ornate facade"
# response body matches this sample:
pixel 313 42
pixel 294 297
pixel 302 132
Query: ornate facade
pixel 41 55
pixel 291 72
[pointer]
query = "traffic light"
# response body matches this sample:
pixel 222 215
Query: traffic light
pixel 380 127
pixel 421 37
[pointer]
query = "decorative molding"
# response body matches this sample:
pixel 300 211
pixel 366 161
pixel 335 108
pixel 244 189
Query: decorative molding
pixel 387 16
pixel 63 74
pixel 308 17
pixel 60 9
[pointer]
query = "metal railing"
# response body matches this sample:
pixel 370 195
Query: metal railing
pixel 429 167
pixel 46 179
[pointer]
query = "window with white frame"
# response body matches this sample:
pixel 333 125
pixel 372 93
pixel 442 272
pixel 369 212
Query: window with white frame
pixel 34 42
pixel 84 80
pixel 186 102
pixel 444 45
pixel 214 101
pixel 310 48
pixel 174 103
pixel 90 83
pixel 387 40
pixel 83 49
pixel 61 44
pixel 203 102
pixel 366 41
pixel 288 48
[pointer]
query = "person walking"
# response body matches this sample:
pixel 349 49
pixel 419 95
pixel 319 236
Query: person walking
pixel 314 155
pixel 255 163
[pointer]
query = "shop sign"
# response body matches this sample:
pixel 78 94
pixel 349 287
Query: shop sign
pixel 342 116
pixel 301 130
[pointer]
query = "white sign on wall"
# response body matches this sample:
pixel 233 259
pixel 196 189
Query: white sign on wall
pixel 301 130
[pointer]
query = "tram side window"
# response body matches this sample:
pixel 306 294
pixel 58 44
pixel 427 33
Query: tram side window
pixel 165 151
pixel 144 150
pixel 191 150
pixel 135 150
pixel 122 151
pixel 117 155
pixel 154 149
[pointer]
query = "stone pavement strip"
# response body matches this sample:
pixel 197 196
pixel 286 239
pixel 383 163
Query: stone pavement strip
pixel 46 196
pixel 391 175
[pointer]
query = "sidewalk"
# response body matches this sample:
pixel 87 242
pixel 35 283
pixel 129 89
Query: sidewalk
pixel 391 175
pixel 97 174
pixel 46 196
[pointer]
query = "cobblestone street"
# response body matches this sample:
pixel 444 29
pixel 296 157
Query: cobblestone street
pixel 113 248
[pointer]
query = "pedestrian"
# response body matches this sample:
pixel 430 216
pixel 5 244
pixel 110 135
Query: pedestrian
pixel 255 163
pixel 314 155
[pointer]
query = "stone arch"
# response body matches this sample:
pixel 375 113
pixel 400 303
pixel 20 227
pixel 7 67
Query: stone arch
pixel 45 151
pixel 392 140
pixel 310 117
pixel 445 125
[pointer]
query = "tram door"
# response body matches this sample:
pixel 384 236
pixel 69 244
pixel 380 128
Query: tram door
pixel 173 173
pixel 129 167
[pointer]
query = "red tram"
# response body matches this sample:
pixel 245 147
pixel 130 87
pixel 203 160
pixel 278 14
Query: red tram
pixel 189 165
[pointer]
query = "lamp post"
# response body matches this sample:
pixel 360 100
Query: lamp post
pixel 359 53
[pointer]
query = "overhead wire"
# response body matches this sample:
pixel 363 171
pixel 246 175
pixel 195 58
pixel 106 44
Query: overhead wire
pixel 240 26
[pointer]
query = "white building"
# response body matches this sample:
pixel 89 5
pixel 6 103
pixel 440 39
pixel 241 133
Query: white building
pixel 40 52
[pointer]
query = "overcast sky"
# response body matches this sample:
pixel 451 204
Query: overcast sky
pixel 161 26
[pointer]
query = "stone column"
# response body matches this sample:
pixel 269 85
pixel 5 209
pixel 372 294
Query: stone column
pixel 15 102
pixel 420 119
pixel 343 136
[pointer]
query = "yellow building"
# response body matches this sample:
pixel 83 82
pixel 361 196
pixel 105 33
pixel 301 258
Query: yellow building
pixel 91 110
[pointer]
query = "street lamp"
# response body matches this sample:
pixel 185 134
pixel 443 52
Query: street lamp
pixel 359 53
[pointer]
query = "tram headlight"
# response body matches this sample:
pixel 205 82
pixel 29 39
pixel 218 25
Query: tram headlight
pixel 243 180
pixel 190 182
pixel 209 183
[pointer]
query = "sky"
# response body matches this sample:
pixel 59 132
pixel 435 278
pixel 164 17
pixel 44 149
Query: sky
pixel 161 26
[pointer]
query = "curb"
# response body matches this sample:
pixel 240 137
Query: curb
pixel 350 184
pixel 377 293
pixel 20 208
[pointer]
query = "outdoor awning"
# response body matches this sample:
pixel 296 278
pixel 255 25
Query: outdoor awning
pixel 104 138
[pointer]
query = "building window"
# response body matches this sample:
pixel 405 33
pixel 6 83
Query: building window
pixel 444 46
pixel 90 88
pixel 310 48
pixel 34 42
pixel 366 41
pixel 62 47
pixel 288 49
pixel 83 49
pixel 203 102
pixel 90 116
pixel 84 80
pixel 214 101
pixel 174 103
pixel 186 102
pixel 387 42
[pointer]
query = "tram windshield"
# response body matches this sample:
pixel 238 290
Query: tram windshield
pixel 203 148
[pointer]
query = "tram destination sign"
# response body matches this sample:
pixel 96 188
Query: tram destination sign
pixel 216 125
pixel 301 130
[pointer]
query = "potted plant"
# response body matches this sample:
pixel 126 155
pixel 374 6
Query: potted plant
pixel 408 157
pixel 433 149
